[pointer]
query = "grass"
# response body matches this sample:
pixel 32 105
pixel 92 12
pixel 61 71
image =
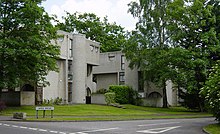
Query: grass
pixel 102 112
pixel 213 129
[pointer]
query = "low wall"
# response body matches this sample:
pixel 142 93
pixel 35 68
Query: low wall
pixel 10 98
pixel 27 98
pixel 98 99
pixel 153 102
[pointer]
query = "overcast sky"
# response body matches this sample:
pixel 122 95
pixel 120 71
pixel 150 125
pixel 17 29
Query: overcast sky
pixel 116 10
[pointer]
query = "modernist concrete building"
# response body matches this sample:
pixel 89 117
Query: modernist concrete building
pixel 73 83
pixel 114 70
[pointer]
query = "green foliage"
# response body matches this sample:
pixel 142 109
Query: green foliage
pixel 110 35
pixel 175 40
pixel 26 52
pixel 212 128
pixel 211 91
pixel 191 100
pixel 56 101
pixel 125 94
pixel 101 91
pixel 109 98
pixel 194 31
pixel 148 45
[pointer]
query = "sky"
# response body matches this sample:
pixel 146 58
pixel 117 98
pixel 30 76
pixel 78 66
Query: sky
pixel 116 10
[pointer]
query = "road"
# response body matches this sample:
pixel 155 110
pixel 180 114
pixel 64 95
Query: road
pixel 164 126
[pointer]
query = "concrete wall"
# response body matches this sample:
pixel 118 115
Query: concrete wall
pixel 104 80
pixel 75 49
pixel 98 99
pixel 92 52
pixel 109 62
pixel 107 73
pixel 131 76
pixel 172 96
pixel 27 98
pixel 79 69
pixel 57 83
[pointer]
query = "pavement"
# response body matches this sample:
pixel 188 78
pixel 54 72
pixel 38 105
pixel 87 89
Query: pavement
pixel 5 118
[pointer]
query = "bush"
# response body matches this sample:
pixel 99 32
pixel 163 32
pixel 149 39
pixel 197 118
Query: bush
pixel 125 95
pixel 101 91
pixel 2 106
pixel 211 92
pixel 192 100
pixel 110 98
pixel 56 101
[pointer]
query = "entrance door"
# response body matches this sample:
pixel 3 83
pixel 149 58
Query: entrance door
pixel 88 96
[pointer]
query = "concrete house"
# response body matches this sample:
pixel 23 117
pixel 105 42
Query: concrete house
pixel 73 83
pixel 114 70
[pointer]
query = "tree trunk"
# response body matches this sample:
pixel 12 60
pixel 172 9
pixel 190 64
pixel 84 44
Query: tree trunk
pixel 165 103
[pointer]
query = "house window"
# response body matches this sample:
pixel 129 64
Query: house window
pixel 140 81
pixel 111 57
pixel 70 67
pixel 71 48
pixel 122 62
pixel 121 78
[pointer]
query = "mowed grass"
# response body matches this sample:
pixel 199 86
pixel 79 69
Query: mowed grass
pixel 103 112
pixel 213 129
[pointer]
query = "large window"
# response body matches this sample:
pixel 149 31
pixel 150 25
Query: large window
pixel 70 68
pixel 122 62
pixel 71 48
pixel 121 78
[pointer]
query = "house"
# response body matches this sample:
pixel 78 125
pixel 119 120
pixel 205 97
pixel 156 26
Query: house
pixel 73 83
pixel 114 70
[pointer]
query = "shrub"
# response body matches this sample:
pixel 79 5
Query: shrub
pixel 56 101
pixel 110 98
pixel 125 95
pixel 211 91
pixel 101 91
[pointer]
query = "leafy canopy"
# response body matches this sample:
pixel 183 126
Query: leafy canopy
pixel 26 52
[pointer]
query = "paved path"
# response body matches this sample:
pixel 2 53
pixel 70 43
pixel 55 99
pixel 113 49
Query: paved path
pixel 5 118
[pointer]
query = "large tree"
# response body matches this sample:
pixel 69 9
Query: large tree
pixel 195 27
pixel 150 42
pixel 110 35
pixel 26 52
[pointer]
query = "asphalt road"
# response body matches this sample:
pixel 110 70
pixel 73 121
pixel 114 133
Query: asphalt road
pixel 164 126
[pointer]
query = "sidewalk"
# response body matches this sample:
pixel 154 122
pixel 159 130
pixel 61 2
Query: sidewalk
pixel 5 118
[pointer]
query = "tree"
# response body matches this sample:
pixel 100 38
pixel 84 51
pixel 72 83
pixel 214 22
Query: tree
pixel 194 24
pixel 110 35
pixel 211 91
pixel 149 45
pixel 26 52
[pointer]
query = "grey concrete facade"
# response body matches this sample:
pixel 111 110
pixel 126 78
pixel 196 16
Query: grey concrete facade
pixel 114 70
pixel 110 71
pixel 74 81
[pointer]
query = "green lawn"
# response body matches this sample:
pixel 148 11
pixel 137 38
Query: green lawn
pixel 102 112
pixel 213 129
